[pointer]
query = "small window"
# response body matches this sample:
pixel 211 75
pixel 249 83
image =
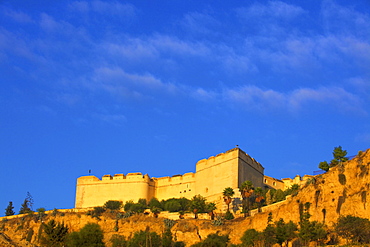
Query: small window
pixel 274 183
pixel 265 181
pixel 206 190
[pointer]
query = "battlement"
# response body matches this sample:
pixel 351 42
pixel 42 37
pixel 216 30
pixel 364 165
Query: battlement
pixel 175 178
pixel 137 177
pixel 227 156
pixel 212 176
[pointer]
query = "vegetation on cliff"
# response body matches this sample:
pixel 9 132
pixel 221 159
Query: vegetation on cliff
pixel 339 156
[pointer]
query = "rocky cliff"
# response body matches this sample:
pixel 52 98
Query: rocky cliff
pixel 343 190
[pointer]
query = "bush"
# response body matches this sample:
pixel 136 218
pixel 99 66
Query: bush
pixel 229 215
pixel 141 238
pixel 354 228
pixel 251 237
pixel 172 206
pixel 113 205
pixel 96 213
pixel 90 235
pixel 53 234
pixel 214 240
pixel 118 241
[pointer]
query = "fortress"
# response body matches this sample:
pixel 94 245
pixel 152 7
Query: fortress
pixel 212 176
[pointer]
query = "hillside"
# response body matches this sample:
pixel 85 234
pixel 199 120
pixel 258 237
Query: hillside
pixel 343 190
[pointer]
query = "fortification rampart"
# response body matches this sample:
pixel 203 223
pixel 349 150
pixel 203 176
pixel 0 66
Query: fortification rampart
pixel 91 191
pixel 212 176
pixel 175 187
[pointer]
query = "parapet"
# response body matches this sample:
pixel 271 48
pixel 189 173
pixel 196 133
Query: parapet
pixel 228 155
pixel 134 177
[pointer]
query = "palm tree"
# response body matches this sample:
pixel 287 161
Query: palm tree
pixel 210 207
pixel 246 190
pixel 228 194
pixel 260 198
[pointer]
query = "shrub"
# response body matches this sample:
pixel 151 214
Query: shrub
pixel 53 234
pixel 96 212
pixel 214 240
pixel 90 235
pixel 113 205
pixel 251 237
pixel 354 228
pixel 172 206
pixel 142 237
pixel 229 215
pixel 118 241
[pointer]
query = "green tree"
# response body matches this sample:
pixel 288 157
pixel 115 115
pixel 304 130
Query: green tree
pixel 269 233
pixel 228 193
pixel 144 239
pixel 53 234
pixel 118 241
pixel 155 203
pixel 9 209
pixel 246 190
pixel 324 165
pixel 167 238
pixel 90 235
pixel 214 240
pixel 293 190
pixel 285 232
pixel 198 205
pixel 339 156
pixel 25 207
pixel 353 228
pixel 251 237
pixel 113 205
pixel 172 205
pixel 309 231
pixel 41 213
pixel 279 196
pixel 136 207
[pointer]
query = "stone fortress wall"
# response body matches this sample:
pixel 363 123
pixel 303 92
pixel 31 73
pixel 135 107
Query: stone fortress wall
pixel 212 176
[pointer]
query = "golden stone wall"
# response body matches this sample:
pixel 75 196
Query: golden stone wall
pixel 212 176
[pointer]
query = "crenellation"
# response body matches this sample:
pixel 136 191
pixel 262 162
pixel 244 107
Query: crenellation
pixel 107 177
pixel 211 177
pixel 119 176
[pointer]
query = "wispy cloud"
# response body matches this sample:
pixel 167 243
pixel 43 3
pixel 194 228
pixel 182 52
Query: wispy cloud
pixel 275 9
pixel 17 16
pixel 255 99
pixel 117 81
pixel 107 8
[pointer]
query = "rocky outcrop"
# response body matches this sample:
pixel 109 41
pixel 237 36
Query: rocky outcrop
pixel 343 190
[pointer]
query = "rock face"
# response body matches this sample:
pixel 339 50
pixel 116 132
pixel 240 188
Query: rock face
pixel 343 190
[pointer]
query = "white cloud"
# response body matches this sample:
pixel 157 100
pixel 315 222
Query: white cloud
pixel 132 48
pixel 114 119
pixel 275 9
pixel 201 23
pixel 115 8
pixel 253 98
pixel 18 16
pixel 117 81
pixel 102 7
pixel 165 43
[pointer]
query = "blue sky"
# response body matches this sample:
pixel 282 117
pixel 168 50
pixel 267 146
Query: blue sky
pixel 155 86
